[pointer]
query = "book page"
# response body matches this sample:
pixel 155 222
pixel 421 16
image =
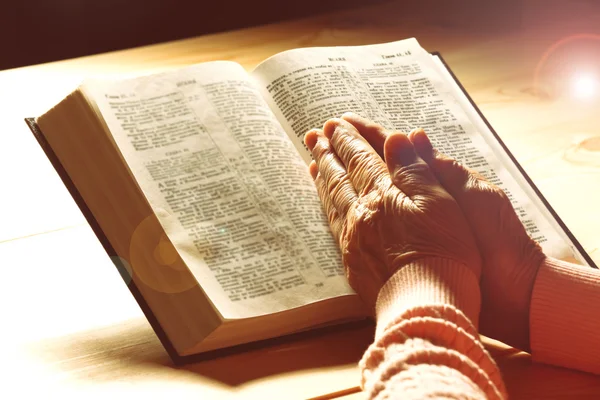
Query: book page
pixel 227 185
pixel 398 85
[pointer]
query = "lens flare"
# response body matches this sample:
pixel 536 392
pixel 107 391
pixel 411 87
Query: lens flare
pixel 584 86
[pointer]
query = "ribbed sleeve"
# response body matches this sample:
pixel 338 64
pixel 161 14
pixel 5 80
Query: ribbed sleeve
pixel 565 316
pixel 425 345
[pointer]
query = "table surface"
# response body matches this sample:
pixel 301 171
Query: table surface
pixel 70 325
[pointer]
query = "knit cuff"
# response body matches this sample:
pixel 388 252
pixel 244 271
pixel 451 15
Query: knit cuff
pixel 564 314
pixel 429 281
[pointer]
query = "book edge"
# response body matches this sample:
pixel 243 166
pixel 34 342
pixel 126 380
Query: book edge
pixel 112 254
pixel 154 323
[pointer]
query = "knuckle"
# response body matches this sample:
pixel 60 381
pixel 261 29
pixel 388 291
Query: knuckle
pixel 368 208
pixel 416 174
pixel 464 171
pixel 344 144
pixel 328 159
pixel 332 215
pixel 320 184
pixel 368 184
pixel 445 159
pixel 320 150
pixel 490 193
pixel 334 184
pixel 357 158
pixel 362 166
pixel 337 183
pixel 500 194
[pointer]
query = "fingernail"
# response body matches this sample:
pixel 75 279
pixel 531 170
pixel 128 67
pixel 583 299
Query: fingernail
pixel 330 127
pixel 310 139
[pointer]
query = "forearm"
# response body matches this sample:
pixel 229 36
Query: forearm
pixel 564 316
pixel 426 345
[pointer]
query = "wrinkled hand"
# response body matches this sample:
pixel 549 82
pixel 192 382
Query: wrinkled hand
pixel 510 257
pixel 384 214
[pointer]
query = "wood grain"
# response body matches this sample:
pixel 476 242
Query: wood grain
pixel 73 329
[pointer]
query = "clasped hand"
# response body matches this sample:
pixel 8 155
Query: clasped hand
pixel 391 199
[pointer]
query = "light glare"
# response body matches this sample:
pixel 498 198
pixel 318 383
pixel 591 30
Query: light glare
pixel 585 86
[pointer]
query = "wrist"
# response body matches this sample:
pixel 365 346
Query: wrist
pixel 429 281
pixel 507 288
pixel 563 317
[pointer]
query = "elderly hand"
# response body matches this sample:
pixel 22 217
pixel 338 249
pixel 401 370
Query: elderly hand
pixel 510 257
pixel 385 215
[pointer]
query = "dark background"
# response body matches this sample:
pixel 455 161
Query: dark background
pixel 36 31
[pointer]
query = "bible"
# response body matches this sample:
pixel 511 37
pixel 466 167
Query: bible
pixel 196 182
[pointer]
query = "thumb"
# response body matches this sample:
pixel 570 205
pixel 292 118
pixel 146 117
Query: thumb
pixel 452 175
pixel 409 172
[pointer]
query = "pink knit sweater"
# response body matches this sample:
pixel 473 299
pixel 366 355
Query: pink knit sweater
pixel 427 346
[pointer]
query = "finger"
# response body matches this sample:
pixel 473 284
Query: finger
pixel 451 174
pixel 335 220
pixel 409 172
pixel 330 167
pixel 374 133
pixel 422 144
pixel 365 167
pixel 313 169
pixel 310 139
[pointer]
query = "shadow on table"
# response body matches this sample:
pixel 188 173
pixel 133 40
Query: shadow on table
pixel 525 379
pixel 132 350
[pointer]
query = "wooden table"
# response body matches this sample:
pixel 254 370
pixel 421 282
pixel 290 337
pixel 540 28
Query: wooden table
pixel 70 326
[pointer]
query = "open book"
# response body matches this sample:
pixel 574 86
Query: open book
pixel 196 182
